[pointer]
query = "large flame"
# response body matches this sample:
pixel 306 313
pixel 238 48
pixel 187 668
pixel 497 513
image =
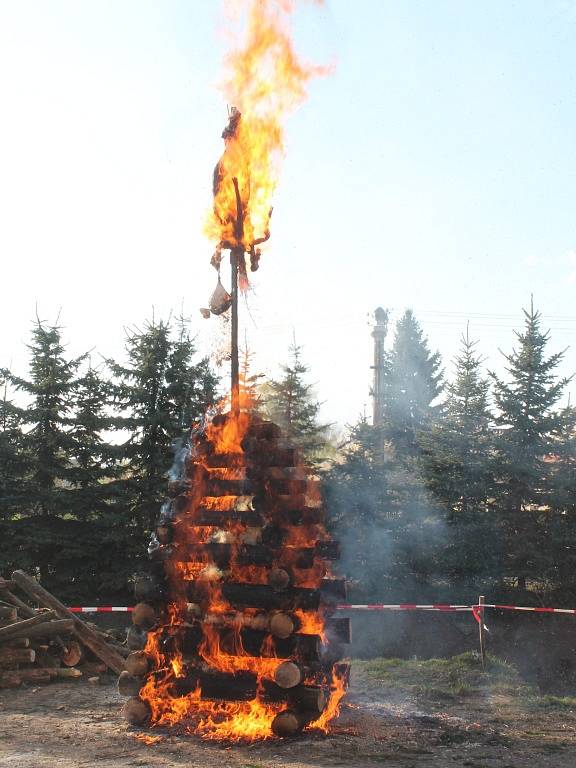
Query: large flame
pixel 265 81
pixel 216 719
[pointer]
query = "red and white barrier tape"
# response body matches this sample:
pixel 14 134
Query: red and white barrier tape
pixel 100 609
pixel 525 608
pixel 475 609
pixel 405 607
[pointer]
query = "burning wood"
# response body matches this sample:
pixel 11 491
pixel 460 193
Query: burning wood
pixel 243 646
pixel 230 638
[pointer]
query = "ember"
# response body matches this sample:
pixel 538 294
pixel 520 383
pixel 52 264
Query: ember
pixel 233 639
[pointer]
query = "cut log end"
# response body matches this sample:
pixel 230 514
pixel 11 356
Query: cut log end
pixel 136 638
pixel 73 654
pixel 128 685
pixel 144 616
pixel 279 579
pixel 137 663
pixel 288 675
pixel 282 625
pixel 136 711
pixel 288 723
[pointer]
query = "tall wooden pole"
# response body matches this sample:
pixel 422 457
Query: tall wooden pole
pixel 236 254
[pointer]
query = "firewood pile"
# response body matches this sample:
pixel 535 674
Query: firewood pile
pixel 234 629
pixel 41 640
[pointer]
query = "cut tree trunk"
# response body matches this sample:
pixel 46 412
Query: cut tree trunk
pixel 87 636
pixel 63 672
pixel 136 638
pixel 51 629
pixel 14 679
pixel 17 642
pixel 241 686
pixel 282 625
pixel 144 616
pixel 128 685
pixel 288 675
pixel 8 597
pixel 289 722
pixel 263 596
pixel 136 711
pixel 137 663
pixel 16 655
pixel 219 518
pixel 279 579
pixel 73 654
pixel 20 628
pixel 303 698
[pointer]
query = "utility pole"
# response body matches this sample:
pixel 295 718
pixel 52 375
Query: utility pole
pixel 379 335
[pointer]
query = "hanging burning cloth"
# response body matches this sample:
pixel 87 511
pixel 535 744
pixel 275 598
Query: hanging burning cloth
pixel 220 301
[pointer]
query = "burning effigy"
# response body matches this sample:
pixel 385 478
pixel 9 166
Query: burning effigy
pixel 234 636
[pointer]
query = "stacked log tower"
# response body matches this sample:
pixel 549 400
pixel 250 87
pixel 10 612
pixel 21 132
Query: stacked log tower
pixel 234 636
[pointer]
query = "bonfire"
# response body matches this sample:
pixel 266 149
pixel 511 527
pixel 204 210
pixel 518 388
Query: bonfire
pixel 234 636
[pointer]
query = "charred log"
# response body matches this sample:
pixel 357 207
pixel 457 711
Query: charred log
pixel 241 686
pixel 263 596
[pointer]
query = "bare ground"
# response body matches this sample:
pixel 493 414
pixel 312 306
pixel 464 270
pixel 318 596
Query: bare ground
pixel 76 725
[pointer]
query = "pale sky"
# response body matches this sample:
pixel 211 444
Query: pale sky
pixel 435 169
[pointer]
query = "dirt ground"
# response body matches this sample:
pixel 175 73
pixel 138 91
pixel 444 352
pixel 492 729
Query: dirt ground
pixel 75 725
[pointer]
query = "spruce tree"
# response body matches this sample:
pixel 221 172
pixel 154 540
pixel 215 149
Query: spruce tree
pixel 290 402
pixel 414 383
pixel 530 426
pixel 381 508
pixel 42 535
pixel 458 462
pixel 458 448
pixel 47 444
pixel 191 386
pixel 92 470
pixel 559 530
pixel 13 463
pixel 250 394
pixel 146 413
pixel 361 509
pixel 159 392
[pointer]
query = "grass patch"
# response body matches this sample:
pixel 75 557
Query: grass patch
pixel 554 702
pixel 442 678
pixel 449 680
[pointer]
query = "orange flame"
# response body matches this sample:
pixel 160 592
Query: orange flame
pixel 265 82
pixel 147 738
pixel 225 653
pixel 337 691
